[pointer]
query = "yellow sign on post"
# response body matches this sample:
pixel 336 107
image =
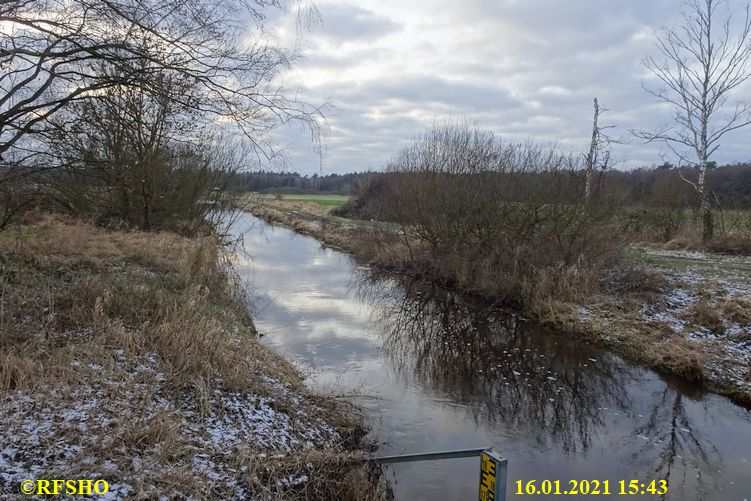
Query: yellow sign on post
pixel 492 476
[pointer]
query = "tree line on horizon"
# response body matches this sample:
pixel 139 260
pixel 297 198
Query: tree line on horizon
pixel 653 186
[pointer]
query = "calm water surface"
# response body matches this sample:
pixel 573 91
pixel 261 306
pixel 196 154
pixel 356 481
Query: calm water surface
pixel 435 372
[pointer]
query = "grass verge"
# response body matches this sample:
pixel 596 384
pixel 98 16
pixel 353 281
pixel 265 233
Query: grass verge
pixel 320 204
pixel 130 357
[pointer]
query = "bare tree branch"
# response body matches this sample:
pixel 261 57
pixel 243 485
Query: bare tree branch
pixel 55 52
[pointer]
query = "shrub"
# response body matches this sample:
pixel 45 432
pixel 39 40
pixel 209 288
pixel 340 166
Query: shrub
pixel 133 159
pixel 505 219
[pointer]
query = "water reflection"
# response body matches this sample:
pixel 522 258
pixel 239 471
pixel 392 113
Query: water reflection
pixel 497 364
pixel 512 373
pixel 681 451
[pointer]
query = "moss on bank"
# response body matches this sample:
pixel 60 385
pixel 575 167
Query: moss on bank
pixel 130 357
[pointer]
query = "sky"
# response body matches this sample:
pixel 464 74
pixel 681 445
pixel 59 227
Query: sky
pixel 525 69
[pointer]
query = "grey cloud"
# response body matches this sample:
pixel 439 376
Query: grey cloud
pixel 411 91
pixel 439 90
pixel 346 22
pixel 497 62
pixel 338 60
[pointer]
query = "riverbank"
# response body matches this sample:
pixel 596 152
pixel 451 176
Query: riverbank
pixel 131 357
pixel 686 318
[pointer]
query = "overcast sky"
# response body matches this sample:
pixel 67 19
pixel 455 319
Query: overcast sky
pixel 522 68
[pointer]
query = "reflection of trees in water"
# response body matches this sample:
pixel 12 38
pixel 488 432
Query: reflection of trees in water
pixel 511 372
pixel 503 369
pixel 684 458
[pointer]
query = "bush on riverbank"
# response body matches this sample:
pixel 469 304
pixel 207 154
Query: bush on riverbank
pixel 130 357
pixel 506 220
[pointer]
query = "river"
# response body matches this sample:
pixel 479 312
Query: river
pixel 434 371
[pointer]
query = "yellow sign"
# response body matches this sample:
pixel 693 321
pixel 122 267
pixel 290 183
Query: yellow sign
pixel 488 472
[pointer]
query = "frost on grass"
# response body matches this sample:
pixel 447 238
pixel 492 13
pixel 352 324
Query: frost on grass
pixel 120 426
pixel 124 358
pixel 674 305
pixel 694 305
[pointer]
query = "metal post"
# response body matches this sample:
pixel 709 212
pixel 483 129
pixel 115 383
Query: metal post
pixel 493 470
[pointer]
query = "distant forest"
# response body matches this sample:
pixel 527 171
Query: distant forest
pixel 649 186
pixel 667 186
pixel 294 183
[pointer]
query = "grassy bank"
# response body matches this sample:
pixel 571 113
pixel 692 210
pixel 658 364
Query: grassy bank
pixel 130 357
pixel 323 200
pixel 320 204
pixel 682 314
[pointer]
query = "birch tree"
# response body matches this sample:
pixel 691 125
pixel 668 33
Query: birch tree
pixel 700 66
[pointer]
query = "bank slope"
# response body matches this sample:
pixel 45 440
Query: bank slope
pixel 130 357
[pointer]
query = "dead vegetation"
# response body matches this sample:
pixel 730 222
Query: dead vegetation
pixel 332 233
pixel 705 315
pixel 682 313
pixel 307 207
pixel 614 318
pixel 506 220
pixel 738 311
pixel 130 356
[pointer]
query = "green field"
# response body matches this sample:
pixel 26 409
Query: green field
pixel 321 200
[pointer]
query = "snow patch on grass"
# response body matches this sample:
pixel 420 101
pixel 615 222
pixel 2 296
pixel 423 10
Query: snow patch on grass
pixel 712 280
pixel 56 434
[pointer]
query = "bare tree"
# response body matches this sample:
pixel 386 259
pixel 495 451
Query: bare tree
pixel 701 64
pixel 497 217
pixel 598 157
pixel 54 52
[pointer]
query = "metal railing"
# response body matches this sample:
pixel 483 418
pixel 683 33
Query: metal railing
pixel 493 468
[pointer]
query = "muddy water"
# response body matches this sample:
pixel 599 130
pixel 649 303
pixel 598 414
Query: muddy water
pixel 435 372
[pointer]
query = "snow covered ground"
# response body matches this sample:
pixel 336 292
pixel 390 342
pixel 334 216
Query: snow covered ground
pixel 130 357
pixel 80 432
pixel 714 281
pixel 705 299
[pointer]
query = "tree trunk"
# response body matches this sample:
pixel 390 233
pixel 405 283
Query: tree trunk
pixel 146 208
pixel 705 208
pixel 592 157
pixel 708 224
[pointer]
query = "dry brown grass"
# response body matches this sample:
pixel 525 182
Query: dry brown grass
pixel 308 207
pixel 677 229
pixel 634 280
pixel 329 232
pixel 142 343
pixel 739 245
pixel 707 315
pixel 715 316
pixel 618 325
pixel 737 311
